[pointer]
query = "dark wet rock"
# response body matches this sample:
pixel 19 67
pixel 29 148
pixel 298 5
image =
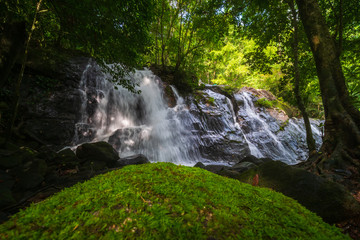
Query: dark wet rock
pixel 169 95
pixel 47 154
pixel 120 136
pixel 242 166
pixel 32 175
pixel 66 159
pixel 84 133
pixel 212 124
pixel 29 180
pixel 11 159
pixel 6 197
pixel 133 160
pixel 50 97
pixel 329 200
pixel 99 151
pixel 200 165
pixel 229 173
pixel 254 160
pixel 6 180
pixel 93 166
pixel 215 168
pixel 115 139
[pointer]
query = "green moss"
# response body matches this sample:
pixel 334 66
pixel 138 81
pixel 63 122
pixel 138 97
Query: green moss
pixel 200 96
pixel 283 125
pixel 211 101
pixel 230 89
pixel 280 104
pixel 263 102
pixel 291 111
pixel 165 201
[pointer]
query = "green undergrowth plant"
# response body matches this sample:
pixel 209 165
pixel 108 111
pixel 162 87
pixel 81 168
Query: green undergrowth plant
pixel 263 102
pixel 166 201
pixel 280 104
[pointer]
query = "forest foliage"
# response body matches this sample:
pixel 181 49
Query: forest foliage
pixel 112 32
pixel 237 43
pixel 249 43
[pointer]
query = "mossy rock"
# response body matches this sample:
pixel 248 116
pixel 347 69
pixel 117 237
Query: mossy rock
pixel 166 201
pixel 6 197
pixel 10 159
pixel 98 151
pixel 67 159
pixel 329 200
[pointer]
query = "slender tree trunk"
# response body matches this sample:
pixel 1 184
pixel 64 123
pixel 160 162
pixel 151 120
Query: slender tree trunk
pixel 12 40
pixel 21 74
pixel 309 135
pixel 162 35
pixel 179 52
pixel 341 143
pixel 341 28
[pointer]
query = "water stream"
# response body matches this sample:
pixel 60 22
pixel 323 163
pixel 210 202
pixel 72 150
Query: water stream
pixel 193 130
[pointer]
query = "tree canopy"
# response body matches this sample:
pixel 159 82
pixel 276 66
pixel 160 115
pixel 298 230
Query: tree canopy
pixel 109 31
pixel 310 47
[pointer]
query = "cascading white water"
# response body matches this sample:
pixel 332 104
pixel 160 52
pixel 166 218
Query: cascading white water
pixel 287 145
pixel 253 150
pixel 205 129
pixel 137 123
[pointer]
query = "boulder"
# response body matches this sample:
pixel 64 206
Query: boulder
pixel 6 180
pixel 6 197
pixel 215 168
pixel 10 158
pixel 93 166
pixel 66 159
pixel 98 151
pixel 243 166
pixel 32 175
pixel 6 184
pixel 49 115
pixel 254 160
pixel 133 160
pixel 229 173
pixel 199 165
pixel 329 200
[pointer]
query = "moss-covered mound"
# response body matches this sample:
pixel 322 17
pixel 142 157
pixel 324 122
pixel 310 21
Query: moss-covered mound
pixel 165 201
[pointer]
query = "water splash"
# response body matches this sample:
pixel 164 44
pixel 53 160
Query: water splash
pixel 266 133
pixel 208 129
pixel 135 123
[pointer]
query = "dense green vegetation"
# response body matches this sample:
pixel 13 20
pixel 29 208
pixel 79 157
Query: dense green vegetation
pixel 165 201
pixel 250 43
pixel 309 47
pixel 304 51
pixel 109 31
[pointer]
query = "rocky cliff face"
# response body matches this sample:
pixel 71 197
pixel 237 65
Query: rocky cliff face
pixel 74 103
pixel 237 125
pixel 51 100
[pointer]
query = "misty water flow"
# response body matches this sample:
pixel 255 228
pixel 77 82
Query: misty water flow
pixel 135 123
pixel 187 133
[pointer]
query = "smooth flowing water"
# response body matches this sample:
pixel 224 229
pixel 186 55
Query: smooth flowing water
pixel 135 123
pixel 193 130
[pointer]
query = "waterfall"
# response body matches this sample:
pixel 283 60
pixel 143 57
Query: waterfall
pixel 284 141
pixel 202 127
pixel 135 123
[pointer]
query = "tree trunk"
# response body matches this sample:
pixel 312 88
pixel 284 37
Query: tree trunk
pixel 341 143
pixel 21 74
pixel 12 40
pixel 309 135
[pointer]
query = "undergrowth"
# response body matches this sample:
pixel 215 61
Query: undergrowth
pixel 166 201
